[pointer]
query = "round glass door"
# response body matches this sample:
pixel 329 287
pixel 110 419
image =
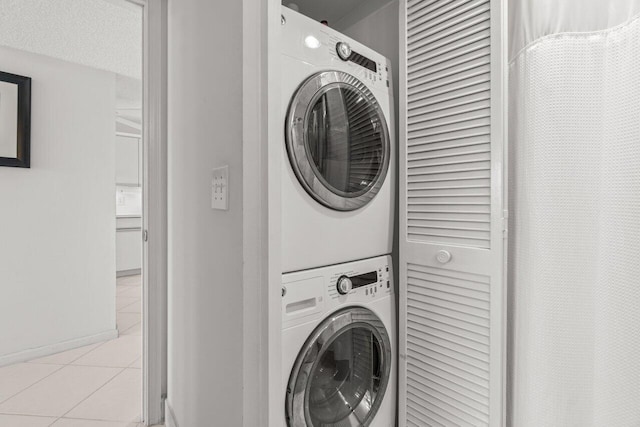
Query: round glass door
pixel 342 372
pixel 338 140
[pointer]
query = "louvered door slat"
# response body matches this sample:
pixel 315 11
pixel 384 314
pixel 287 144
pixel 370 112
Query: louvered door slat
pixel 434 100
pixel 466 60
pixel 467 36
pixel 419 23
pixel 471 398
pixel 448 53
pixel 452 246
pixel 450 69
pixel 481 103
pixel 447 28
pixel 413 5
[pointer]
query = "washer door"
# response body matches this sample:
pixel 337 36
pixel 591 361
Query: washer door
pixel 338 140
pixel 341 374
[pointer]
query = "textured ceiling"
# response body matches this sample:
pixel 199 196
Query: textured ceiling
pixel 103 34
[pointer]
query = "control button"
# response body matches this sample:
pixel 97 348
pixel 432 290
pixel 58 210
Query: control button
pixel 387 268
pixel 366 291
pixel 388 284
pixel 344 50
pixel 344 285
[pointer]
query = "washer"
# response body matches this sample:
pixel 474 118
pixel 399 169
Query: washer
pixel 338 147
pixel 339 346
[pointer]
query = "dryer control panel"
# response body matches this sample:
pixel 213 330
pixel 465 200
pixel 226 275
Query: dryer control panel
pixel 311 42
pixel 371 68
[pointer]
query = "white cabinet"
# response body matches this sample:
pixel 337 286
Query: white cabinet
pixel 128 244
pixel 128 227
pixel 128 160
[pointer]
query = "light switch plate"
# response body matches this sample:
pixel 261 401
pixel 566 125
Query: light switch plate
pixel 220 188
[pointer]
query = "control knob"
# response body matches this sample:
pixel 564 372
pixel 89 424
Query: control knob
pixel 344 285
pixel 344 50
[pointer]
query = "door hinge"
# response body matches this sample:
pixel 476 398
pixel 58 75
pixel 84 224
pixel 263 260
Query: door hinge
pixel 145 236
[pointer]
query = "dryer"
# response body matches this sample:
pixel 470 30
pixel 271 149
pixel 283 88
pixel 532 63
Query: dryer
pixel 339 346
pixel 338 147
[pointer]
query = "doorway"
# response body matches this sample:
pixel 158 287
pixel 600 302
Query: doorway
pixel 80 360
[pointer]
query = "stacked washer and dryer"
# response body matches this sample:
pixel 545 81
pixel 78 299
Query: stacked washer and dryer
pixel 338 305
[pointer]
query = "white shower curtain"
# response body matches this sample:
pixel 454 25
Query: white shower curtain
pixel 574 266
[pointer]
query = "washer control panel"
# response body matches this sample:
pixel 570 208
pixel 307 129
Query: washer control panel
pixel 309 294
pixel 363 281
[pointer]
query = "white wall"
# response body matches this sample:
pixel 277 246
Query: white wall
pixel 205 246
pixel 57 219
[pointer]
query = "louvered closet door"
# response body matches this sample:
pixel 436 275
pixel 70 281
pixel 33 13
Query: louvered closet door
pixel 452 244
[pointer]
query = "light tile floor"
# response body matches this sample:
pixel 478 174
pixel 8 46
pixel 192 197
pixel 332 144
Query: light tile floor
pixel 94 386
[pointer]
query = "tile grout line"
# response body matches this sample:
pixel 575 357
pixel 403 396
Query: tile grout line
pixel 93 349
pixel 92 366
pixel 136 300
pixel 94 392
pixel 108 367
pixel 30 416
pixel 70 363
pixel 61 366
pixel 138 423
pixel 129 304
pixel 128 329
pixel 95 419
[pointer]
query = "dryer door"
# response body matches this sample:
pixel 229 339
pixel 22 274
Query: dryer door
pixel 338 140
pixel 341 374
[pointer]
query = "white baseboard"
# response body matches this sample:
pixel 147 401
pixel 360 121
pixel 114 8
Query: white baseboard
pixel 169 417
pixel 124 273
pixel 47 350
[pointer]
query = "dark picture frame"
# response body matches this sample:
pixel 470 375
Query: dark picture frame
pixel 23 124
